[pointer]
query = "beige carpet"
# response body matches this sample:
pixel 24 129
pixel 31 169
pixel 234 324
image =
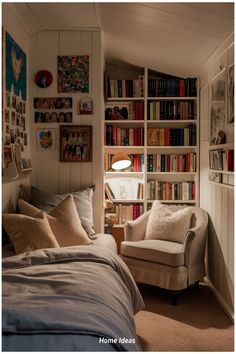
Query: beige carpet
pixel 197 324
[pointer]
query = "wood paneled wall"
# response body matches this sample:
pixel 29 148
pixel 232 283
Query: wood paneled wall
pixel 218 201
pixel 48 173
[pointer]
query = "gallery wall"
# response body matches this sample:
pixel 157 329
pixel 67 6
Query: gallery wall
pixel 216 199
pixel 13 25
pixel 49 174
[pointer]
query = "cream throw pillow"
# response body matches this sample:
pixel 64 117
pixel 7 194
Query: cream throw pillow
pixel 164 224
pixel 29 233
pixel 63 220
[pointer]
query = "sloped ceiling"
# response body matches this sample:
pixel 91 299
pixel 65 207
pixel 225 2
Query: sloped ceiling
pixel 170 37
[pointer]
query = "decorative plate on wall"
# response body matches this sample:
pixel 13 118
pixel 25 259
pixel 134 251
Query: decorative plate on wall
pixel 43 78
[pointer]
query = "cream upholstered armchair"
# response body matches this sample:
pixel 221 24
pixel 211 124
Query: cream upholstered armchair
pixel 167 264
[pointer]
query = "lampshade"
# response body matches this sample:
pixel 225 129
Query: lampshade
pixel 120 161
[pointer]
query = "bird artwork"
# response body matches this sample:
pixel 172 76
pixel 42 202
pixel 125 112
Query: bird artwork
pixel 16 64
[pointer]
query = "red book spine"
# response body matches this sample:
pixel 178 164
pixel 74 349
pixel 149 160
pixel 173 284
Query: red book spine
pixel 181 88
pixel 139 136
pixel 187 162
pixel 135 136
pixel 114 133
pixel 193 191
pixel 168 163
pixel 230 160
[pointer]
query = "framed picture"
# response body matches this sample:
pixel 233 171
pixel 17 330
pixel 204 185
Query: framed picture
pixel 46 139
pixel 7 156
pixel 231 94
pixel 76 143
pixel 218 109
pixel 73 73
pixel 85 106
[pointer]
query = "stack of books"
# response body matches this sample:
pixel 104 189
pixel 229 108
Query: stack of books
pixel 172 136
pixel 172 110
pixel 115 136
pixel 127 88
pixel 171 162
pixel 170 190
pixel 172 87
pixel 124 110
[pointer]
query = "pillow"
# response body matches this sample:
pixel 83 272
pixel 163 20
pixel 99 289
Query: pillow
pixel 164 224
pixel 63 220
pixel 28 233
pixel 46 201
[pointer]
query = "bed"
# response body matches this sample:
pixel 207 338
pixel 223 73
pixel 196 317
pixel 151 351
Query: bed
pixel 79 298
pixel 64 289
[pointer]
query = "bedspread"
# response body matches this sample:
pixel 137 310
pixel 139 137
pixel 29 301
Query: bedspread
pixel 81 290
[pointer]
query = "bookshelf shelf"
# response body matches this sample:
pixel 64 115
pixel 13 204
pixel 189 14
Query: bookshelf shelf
pixel 222 146
pixel 174 201
pixel 182 128
pixel 171 173
pixel 222 171
pixel 171 98
pixel 111 99
pixel 223 185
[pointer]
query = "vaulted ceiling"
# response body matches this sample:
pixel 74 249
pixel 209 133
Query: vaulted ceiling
pixel 170 37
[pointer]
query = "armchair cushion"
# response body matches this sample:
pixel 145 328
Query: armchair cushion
pixel 156 251
pixel 168 225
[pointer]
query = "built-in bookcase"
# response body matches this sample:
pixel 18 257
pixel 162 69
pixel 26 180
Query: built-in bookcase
pixel 154 118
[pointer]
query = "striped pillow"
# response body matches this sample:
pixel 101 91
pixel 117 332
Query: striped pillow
pixel 63 220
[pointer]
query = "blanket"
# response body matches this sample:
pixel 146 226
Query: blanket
pixel 71 290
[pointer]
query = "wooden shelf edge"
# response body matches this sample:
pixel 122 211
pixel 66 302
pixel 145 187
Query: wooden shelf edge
pixel 223 185
pixel 222 171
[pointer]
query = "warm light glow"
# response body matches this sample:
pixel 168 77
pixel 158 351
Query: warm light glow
pixel 120 161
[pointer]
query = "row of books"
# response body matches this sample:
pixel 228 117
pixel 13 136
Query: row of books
pixel 171 110
pixel 170 190
pixel 115 136
pixel 127 88
pixel 172 87
pixel 221 160
pixel 137 163
pixel 172 136
pixel 120 213
pixel 124 110
pixel 171 162
pixel 111 196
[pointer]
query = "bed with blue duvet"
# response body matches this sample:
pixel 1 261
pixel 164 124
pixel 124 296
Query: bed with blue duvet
pixel 69 299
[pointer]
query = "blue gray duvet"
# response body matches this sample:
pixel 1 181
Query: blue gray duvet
pixel 79 298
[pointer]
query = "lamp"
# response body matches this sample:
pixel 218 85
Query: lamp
pixel 120 161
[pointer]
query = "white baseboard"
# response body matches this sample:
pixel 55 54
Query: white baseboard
pixel 220 300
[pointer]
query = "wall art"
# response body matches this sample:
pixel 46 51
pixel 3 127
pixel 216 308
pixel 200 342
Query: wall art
pixel 46 139
pixel 15 67
pixel 52 117
pixel 75 143
pixel 73 73
pixel 85 106
pixel 53 110
pixel 231 94
pixel 43 78
pixel 218 109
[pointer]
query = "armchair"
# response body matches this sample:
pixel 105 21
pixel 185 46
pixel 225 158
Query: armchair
pixel 167 264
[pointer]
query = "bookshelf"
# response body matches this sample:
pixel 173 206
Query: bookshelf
pixel 167 123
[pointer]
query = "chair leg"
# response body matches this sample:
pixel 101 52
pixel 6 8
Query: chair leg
pixel 174 298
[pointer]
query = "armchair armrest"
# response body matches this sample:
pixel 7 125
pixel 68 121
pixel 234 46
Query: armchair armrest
pixel 195 242
pixel 135 230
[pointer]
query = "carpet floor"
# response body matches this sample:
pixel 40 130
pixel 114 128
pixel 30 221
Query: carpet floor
pixel 197 323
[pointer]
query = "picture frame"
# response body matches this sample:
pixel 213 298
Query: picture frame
pixel 46 139
pixel 85 106
pixel 230 91
pixel 7 156
pixel 218 108
pixel 75 143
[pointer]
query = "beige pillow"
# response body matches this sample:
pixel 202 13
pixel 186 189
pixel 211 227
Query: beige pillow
pixel 63 220
pixel 164 224
pixel 29 233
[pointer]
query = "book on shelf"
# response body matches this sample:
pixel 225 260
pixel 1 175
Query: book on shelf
pixel 137 163
pixel 120 213
pixel 124 110
pixel 172 136
pixel 170 190
pixel 127 88
pixel 222 160
pixel 171 162
pixel 172 87
pixel 109 191
pixel 116 136
pixel 172 110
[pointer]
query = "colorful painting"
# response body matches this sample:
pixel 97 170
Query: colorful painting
pixel 73 73
pixel 15 68
pixel 46 139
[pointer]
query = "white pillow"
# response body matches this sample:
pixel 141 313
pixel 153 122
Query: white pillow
pixel 168 225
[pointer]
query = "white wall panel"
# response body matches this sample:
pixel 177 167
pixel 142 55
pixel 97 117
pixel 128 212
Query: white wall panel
pixel 217 200
pixel 50 174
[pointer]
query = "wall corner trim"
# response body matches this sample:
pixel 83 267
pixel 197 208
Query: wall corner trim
pixel 225 307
